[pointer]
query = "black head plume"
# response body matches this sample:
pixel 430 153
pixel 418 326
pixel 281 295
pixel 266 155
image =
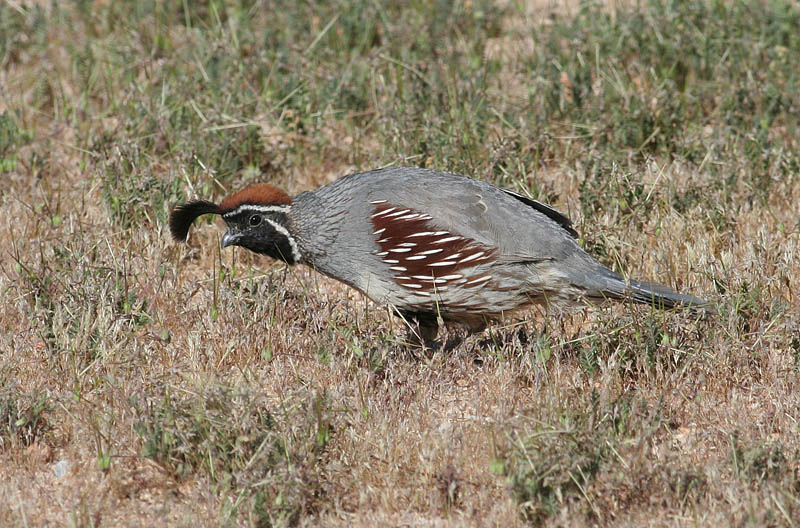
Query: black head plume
pixel 181 218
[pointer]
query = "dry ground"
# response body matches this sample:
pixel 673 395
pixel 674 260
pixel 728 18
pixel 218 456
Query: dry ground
pixel 147 383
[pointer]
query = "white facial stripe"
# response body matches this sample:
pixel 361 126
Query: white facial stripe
pixel 282 230
pixel 258 209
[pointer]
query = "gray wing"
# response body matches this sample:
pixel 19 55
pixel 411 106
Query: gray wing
pixel 514 228
pixel 548 211
pixel 521 228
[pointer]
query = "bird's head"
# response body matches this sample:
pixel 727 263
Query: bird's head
pixel 257 218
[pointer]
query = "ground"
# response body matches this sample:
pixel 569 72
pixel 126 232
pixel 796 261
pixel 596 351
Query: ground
pixel 145 382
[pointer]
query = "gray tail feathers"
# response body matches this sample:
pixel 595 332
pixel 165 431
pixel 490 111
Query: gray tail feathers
pixel 656 295
pixel 663 297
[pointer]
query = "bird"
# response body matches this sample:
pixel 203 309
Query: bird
pixel 435 247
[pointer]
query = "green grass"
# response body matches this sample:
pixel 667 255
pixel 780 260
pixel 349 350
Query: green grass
pixel 265 458
pixel 560 463
pixel 188 385
pixel 23 417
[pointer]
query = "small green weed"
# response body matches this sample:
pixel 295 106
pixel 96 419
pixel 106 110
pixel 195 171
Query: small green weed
pixel 758 462
pixel 269 454
pixel 581 461
pixel 23 418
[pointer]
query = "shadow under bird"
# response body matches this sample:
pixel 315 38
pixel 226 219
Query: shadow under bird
pixel 431 245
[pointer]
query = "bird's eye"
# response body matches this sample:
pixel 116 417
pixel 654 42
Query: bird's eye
pixel 255 220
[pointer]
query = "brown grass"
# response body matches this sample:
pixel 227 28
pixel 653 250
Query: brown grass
pixel 183 386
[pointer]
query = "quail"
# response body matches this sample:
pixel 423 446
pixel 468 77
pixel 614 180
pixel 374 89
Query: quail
pixel 434 246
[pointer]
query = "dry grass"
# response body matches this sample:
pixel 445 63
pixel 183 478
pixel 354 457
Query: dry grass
pixel 143 382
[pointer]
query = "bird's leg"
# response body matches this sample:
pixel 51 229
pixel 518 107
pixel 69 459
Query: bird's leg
pixel 427 333
pixel 476 326
pixel 422 329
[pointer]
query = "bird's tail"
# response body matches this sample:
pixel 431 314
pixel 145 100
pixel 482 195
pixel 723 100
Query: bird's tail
pixel 657 295
pixel 663 297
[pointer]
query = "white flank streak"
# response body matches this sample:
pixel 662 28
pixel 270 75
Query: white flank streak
pixel 258 209
pixel 282 230
pixel 400 250
pixel 426 217
pixel 471 257
pixel 472 282
pixel 431 251
pixel 407 244
pixel 379 231
pixel 376 202
pixel 421 234
pixel 409 216
pixel 410 285
pixel 452 257
pixel 384 240
pixel 434 264
pixel 417 257
pixel 423 277
pixel 391 261
pixel 452 277
pixel 402 277
pixel 382 254
pixel 445 240
pixel 398 213
pixel 439 281
pixel 423 293
pixel 440 233
pixel 381 213
pixel 398 268
pixel 441 288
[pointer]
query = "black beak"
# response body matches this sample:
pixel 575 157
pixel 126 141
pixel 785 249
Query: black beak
pixel 230 239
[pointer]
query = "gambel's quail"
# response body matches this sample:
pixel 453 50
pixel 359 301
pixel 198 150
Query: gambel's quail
pixel 432 245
